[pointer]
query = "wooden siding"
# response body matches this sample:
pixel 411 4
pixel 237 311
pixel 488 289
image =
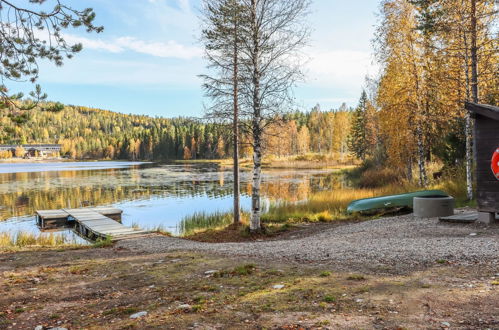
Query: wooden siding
pixel 486 142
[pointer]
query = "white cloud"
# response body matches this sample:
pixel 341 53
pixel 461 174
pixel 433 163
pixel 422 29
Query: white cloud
pixel 340 67
pixel 169 49
pixel 93 43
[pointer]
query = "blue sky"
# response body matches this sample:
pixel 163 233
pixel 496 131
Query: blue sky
pixel 147 59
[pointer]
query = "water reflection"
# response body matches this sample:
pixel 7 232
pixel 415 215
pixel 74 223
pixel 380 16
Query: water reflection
pixel 149 194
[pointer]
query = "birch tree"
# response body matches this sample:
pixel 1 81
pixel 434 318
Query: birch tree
pixel 471 44
pixel 276 33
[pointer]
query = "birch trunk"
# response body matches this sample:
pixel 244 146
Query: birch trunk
pixel 473 83
pixel 423 178
pixel 468 122
pixel 257 179
pixel 256 129
pixel 469 156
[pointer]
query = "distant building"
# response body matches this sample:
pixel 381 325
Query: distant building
pixel 32 150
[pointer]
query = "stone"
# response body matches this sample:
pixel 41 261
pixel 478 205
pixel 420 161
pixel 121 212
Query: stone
pixel 473 234
pixel 39 327
pixel 138 315
pixel 210 272
pixel 278 286
pixel 486 218
pixel 184 307
pixel 445 324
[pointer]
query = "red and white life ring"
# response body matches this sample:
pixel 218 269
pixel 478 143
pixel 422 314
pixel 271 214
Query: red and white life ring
pixel 495 163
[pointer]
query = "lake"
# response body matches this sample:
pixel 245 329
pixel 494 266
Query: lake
pixel 149 194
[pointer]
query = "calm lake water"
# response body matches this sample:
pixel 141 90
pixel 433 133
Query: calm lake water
pixel 149 194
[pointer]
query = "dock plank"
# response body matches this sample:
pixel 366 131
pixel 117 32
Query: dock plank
pixel 94 222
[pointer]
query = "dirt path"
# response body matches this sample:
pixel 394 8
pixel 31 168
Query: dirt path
pixel 104 288
pixel 393 273
pixel 395 244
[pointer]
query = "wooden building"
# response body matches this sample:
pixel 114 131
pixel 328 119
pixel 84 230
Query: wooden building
pixel 486 147
pixel 32 150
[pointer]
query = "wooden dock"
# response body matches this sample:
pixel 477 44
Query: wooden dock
pixel 92 223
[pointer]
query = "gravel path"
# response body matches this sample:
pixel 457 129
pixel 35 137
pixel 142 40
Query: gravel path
pixel 398 244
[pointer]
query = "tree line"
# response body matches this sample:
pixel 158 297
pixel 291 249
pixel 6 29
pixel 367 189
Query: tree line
pixel 87 133
pixel 435 55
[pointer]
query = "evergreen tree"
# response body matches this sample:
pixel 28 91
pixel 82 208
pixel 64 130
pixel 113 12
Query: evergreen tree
pixel 357 142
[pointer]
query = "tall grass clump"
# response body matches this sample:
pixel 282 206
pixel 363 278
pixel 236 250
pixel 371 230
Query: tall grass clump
pixel 328 205
pixel 367 180
pixel 22 239
pixel 201 221
pixel 453 182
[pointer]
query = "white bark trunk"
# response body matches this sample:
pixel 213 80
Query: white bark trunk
pixel 423 178
pixel 255 194
pixel 469 156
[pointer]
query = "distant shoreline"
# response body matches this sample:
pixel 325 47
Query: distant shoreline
pixel 57 160
pixel 35 160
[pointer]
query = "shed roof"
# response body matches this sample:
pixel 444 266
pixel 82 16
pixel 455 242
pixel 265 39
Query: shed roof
pixel 486 110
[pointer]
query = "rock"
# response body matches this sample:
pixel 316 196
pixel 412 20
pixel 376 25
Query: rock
pixel 138 315
pixel 185 307
pixel 473 234
pixel 210 272
pixel 58 328
pixel 359 300
pixel 39 327
pixel 445 324
pixel 278 286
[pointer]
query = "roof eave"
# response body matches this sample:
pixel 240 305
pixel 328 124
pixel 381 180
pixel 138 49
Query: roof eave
pixel 485 110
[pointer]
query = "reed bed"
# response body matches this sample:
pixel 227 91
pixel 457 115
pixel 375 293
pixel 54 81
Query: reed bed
pixel 202 221
pixel 22 239
pixel 331 205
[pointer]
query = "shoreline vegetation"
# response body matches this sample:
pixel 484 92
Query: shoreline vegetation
pixel 326 206
pixel 364 181
pixel 305 161
pixel 22 240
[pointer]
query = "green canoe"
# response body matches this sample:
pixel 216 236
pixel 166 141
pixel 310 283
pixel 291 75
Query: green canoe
pixel 384 202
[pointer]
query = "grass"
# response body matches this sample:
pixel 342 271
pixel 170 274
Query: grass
pixel 23 239
pixel 160 229
pixel 134 282
pixel 103 242
pixel 306 161
pixel 356 277
pixel 202 221
pixel 329 206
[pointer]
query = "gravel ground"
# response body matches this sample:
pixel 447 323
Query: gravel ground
pixel 394 244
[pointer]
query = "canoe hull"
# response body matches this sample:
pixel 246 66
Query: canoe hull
pixel 392 201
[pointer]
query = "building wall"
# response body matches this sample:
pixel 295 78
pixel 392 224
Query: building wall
pixel 31 150
pixel 486 142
